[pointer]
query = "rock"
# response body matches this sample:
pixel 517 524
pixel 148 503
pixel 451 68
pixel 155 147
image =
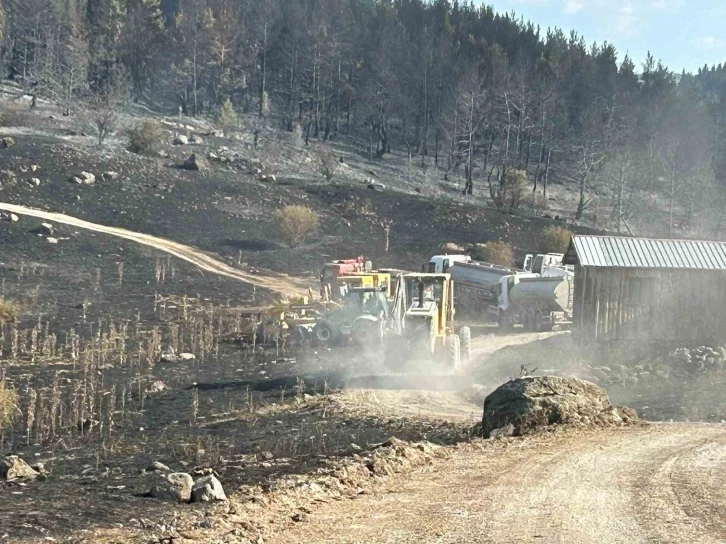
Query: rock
pixel 528 403
pixel 34 181
pixel 109 176
pixel 299 517
pixel 7 142
pixel 34 167
pixel 452 248
pixel 39 468
pixel 156 387
pixel 10 217
pixel 208 489
pixel 169 356
pixel 13 467
pixel 46 229
pixel 177 486
pixel 84 178
pixel 195 139
pixel 195 163
pixel 14 218
pixel 52 240
pixel 186 357
pixel 180 139
pixel 159 467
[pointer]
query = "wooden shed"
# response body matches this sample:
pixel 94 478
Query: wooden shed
pixel 641 289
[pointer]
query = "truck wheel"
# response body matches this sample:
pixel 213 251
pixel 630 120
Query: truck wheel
pixel 322 334
pixel 453 352
pixel 465 337
pixel 538 322
pixel 504 322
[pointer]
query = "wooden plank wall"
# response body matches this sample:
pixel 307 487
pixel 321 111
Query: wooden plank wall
pixel 620 304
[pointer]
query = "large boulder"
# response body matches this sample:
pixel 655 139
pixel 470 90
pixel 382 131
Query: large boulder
pixel 177 486
pixel 196 163
pixel 208 489
pixel 533 402
pixel 13 467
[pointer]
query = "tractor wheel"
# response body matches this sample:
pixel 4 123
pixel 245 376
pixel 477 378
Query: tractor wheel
pixel 395 354
pixel 465 337
pixel 453 351
pixel 323 334
pixel 368 334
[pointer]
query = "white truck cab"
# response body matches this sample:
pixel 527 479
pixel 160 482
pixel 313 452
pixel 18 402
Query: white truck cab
pixel 439 264
pixel 540 263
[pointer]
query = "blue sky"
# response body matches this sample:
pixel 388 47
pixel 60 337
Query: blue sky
pixel 682 33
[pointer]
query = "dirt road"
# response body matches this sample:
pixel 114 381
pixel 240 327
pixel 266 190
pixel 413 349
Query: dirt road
pixel 663 483
pixel 282 284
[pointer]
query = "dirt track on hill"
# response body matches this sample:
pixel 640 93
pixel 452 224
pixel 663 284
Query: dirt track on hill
pixel 662 483
pixel 287 286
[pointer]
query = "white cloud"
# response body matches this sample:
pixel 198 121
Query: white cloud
pixel 711 43
pixel 574 6
pixel 627 20
pixel 667 5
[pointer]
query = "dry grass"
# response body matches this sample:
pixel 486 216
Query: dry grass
pixel 500 253
pixel 8 406
pixel 556 239
pixel 296 223
pixel 9 311
pixel 144 137
pixel 13 115
pixel 228 118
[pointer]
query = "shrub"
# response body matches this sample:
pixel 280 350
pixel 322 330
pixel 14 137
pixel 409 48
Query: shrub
pixel 13 115
pixel 535 203
pixel 8 406
pixel 326 164
pixel 556 239
pixel 103 122
pixel 144 137
pixel 296 223
pixel 500 253
pixel 228 118
pixel 9 311
pixel 508 196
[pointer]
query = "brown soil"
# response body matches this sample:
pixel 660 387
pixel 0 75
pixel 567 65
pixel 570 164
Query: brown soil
pixel 660 484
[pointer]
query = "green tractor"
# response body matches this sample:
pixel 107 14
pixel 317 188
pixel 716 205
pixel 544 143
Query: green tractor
pixel 362 317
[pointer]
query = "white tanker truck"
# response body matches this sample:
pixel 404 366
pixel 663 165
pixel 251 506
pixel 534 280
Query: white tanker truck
pixel 537 303
pixel 476 285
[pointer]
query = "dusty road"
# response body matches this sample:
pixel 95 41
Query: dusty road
pixel 663 483
pixel 278 283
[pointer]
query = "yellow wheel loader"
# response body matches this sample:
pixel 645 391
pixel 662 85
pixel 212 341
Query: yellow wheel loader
pixel 421 326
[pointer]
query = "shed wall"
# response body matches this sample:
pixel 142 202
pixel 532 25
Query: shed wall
pixel 633 304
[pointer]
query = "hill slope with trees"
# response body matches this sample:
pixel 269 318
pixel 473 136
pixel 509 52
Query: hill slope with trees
pixel 456 87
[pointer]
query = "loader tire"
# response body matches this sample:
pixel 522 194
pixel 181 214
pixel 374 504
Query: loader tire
pixel 453 351
pixel 465 337
pixel 323 334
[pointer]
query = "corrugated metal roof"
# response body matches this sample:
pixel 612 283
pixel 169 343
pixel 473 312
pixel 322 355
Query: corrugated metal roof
pixel 622 252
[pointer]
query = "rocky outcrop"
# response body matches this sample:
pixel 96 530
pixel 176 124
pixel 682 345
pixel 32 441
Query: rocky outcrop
pixel 13 467
pixel 529 403
pixel 195 163
pixel 208 489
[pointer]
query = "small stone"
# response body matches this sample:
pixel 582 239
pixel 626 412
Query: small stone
pixel 46 229
pixel 196 163
pixel 109 176
pixel 156 387
pixel 299 517
pixel 186 356
pixel 14 468
pixel 195 139
pixel 208 489
pixel 34 181
pixel 7 142
pixel 34 167
pixel 180 139
pixel 159 467
pixel 52 240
